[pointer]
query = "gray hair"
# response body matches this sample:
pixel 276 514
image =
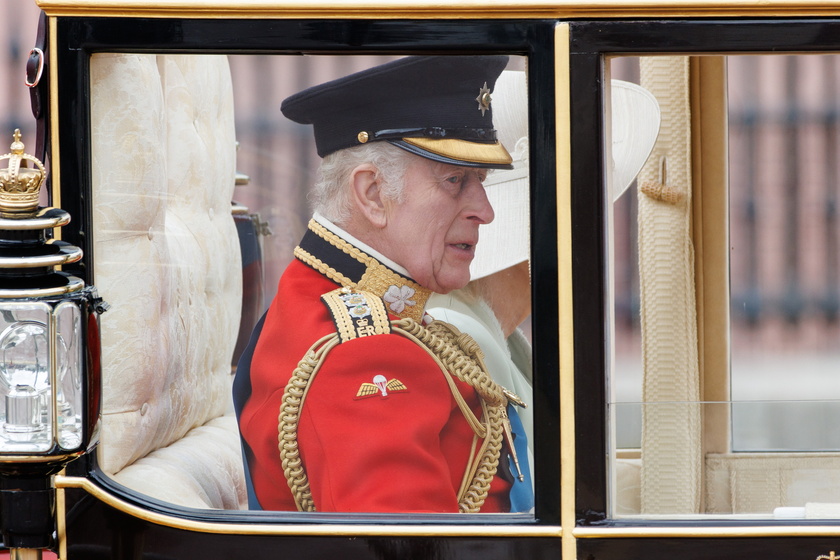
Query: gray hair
pixel 330 195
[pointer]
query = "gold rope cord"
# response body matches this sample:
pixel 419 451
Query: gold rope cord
pixel 455 354
pixel 459 354
pixel 293 398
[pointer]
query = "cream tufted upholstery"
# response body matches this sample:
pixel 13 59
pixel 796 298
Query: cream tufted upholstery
pixel 167 259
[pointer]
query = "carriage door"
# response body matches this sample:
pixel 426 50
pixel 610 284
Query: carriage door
pixel 706 399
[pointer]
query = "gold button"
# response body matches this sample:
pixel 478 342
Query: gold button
pixel 363 137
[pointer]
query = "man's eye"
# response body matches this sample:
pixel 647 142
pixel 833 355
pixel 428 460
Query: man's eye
pixel 455 179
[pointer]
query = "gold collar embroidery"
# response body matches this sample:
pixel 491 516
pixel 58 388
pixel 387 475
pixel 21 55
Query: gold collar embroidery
pixel 347 265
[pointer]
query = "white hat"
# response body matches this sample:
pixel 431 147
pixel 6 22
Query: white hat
pixel 635 126
pixel 506 240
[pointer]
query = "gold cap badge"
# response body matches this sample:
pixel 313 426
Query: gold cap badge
pixel 484 99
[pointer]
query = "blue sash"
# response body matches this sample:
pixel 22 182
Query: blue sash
pixel 521 493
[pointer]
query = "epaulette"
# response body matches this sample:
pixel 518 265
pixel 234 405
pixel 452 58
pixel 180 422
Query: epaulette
pixel 357 313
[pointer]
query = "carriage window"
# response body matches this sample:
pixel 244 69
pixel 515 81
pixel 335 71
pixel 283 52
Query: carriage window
pixel 201 195
pixel 725 321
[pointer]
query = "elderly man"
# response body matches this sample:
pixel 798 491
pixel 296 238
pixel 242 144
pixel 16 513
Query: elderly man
pixel 380 408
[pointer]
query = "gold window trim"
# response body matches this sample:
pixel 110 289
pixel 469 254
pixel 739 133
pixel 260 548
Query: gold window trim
pixel 527 528
pixel 305 529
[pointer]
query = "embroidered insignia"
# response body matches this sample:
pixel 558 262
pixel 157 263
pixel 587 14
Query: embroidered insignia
pixel 351 299
pixel 360 310
pixel 398 298
pixel 357 314
pixel 380 385
pixel 483 99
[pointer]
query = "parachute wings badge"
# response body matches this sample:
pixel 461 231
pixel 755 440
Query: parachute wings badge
pixel 380 386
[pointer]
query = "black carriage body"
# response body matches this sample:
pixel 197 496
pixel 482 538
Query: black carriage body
pixel 97 529
pixel 567 56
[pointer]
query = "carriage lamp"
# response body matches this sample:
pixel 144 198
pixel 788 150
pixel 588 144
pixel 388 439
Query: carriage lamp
pixel 49 362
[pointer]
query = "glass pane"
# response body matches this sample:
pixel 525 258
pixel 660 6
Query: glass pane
pixel 25 378
pixel 785 327
pixel 69 399
pixel 190 263
pixel 768 447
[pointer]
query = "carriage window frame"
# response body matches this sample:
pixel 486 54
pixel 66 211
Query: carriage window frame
pixel 592 45
pixel 75 39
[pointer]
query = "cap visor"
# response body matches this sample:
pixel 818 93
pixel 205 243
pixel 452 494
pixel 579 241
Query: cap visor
pixel 458 152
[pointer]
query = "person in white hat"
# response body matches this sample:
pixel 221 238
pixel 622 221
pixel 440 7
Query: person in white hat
pixel 498 298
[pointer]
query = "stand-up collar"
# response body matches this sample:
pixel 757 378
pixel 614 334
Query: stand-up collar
pixel 341 261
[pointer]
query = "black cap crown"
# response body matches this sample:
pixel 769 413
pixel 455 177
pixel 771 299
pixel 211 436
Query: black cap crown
pixel 438 107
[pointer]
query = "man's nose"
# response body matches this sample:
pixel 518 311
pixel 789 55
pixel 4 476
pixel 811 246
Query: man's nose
pixel 479 207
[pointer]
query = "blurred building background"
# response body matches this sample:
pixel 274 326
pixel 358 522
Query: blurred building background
pixel 783 226
pixel 20 23
pixel 784 212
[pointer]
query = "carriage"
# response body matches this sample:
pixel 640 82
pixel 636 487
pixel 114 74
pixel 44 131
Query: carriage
pixel 683 385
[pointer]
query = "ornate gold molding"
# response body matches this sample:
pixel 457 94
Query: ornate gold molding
pixel 428 9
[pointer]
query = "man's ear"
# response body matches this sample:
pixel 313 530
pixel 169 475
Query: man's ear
pixel 367 194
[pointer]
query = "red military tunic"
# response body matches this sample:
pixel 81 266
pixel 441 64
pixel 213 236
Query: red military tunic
pixel 406 451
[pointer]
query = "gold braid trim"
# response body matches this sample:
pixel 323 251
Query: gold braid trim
pixel 377 277
pixel 291 404
pixel 323 268
pixel 456 354
pixel 484 469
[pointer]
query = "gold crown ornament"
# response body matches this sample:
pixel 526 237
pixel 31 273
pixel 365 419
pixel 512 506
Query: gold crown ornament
pixel 20 185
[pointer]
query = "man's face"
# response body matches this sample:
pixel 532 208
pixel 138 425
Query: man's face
pixel 434 230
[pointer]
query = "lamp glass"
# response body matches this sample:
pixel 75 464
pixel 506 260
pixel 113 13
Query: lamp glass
pixel 69 403
pixel 25 377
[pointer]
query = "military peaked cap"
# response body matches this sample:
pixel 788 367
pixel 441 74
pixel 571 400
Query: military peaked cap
pixel 438 107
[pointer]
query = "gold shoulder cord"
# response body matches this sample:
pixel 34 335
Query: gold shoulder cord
pixel 457 355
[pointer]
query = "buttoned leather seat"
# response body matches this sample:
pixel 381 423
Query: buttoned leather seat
pixel 167 259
